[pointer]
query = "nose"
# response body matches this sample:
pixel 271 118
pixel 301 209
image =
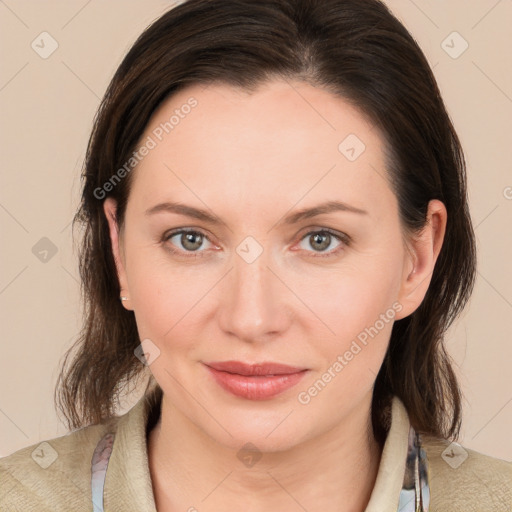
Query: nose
pixel 255 304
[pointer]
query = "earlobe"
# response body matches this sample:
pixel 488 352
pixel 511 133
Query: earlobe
pixel 109 208
pixel 422 254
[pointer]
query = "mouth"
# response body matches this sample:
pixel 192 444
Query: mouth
pixel 259 381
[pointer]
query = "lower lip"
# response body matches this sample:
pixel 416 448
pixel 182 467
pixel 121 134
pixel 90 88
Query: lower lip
pixel 255 387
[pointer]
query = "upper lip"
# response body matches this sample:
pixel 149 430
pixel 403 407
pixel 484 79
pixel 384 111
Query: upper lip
pixel 264 368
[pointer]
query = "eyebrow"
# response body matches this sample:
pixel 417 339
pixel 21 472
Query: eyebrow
pixel 293 218
pixel 328 207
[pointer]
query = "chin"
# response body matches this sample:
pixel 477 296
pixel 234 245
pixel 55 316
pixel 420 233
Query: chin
pixel 270 434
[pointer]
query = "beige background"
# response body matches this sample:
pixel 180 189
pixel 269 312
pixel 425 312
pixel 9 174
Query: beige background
pixel 47 107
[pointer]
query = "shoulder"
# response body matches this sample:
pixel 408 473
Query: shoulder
pixel 462 479
pixel 52 475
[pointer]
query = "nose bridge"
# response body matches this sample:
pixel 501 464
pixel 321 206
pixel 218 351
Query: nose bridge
pixel 252 303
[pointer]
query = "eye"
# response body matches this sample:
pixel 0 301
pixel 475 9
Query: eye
pixel 187 241
pixel 322 240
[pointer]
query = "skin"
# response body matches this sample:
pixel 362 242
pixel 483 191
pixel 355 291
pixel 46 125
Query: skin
pixel 251 159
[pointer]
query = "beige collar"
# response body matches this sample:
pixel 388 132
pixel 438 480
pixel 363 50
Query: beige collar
pixel 128 480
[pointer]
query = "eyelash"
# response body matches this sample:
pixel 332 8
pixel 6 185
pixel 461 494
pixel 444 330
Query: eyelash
pixel 341 237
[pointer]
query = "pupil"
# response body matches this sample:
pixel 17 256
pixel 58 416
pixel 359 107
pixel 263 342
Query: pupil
pixel 317 236
pixel 189 237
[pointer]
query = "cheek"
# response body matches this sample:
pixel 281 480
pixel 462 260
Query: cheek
pixel 360 309
pixel 165 296
pixel 358 304
pixel 350 299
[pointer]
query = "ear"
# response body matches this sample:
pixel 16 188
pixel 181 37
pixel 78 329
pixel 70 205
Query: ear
pixel 421 256
pixel 110 208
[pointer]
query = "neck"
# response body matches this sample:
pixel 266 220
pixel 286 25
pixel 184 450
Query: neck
pixel 334 471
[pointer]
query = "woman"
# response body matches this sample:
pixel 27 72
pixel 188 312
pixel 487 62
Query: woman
pixel 234 138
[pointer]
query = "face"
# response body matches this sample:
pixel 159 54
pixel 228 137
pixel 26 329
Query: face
pixel 251 280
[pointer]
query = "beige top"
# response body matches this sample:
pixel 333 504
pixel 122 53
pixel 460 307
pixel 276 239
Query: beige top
pixel 56 475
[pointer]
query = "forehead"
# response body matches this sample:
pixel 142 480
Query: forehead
pixel 284 140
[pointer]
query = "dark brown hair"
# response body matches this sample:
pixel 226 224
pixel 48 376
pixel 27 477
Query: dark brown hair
pixel 355 49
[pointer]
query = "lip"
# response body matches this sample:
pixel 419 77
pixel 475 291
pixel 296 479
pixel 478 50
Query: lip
pixel 260 369
pixel 255 381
